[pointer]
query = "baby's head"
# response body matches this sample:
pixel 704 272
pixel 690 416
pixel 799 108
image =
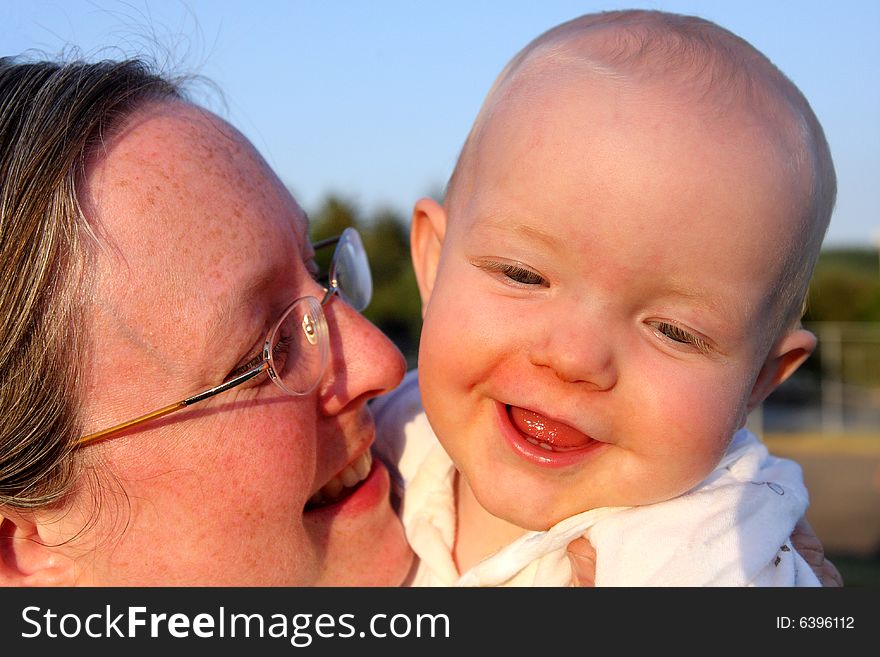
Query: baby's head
pixel 616 277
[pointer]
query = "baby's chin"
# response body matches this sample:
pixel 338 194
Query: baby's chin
pixel 542 514
pixel 528 516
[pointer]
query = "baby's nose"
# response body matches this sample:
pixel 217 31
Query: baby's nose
pixel 577 355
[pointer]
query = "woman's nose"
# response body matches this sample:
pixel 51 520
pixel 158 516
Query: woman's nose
pixel 364 363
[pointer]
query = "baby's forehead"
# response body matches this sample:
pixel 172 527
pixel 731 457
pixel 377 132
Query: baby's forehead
pixel 708 70
pixel 696 51
pixel 705 73
pixel 727 92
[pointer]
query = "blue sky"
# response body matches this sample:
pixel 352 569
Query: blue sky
pixel 372 99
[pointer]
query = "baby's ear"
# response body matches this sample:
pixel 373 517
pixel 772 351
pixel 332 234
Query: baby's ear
pixel 788 354
pixel 25 558
pixel 425 241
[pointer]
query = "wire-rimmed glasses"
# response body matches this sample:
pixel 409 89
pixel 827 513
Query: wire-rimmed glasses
pixel 297 346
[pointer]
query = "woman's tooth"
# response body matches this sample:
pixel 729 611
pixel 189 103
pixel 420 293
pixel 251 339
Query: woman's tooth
pixel 332 488
pixel 363 464
pixel 349 476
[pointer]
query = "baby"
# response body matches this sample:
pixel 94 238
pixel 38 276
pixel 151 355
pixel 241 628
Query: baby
pixel 614 281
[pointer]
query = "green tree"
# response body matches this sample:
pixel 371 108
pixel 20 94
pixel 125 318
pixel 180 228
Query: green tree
pixel 395 308
pixel 845 287
pixel 334 215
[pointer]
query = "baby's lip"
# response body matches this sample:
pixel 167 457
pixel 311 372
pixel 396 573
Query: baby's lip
pixel 547 432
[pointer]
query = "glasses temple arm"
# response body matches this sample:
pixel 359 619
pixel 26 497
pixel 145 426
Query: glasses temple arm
pixel 320 244
pixel 100 435
pixel 171 408
pixel 226 385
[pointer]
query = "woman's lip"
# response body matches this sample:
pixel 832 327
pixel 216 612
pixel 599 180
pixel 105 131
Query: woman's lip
pixel 535 454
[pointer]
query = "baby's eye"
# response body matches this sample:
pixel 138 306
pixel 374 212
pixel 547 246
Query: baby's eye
pixel 524 276
pixel 680 335
pixel 515 272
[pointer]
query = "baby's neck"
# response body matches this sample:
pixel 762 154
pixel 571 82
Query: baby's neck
pixel 478 533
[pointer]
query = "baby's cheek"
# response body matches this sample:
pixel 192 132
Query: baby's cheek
pixel 688 430
pixel 446 333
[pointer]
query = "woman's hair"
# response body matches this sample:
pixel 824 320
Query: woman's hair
pixel 53 117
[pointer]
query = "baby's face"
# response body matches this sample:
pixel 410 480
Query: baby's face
pixel 599 313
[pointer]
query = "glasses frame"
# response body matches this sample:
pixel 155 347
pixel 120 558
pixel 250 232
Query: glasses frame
pixel 347 236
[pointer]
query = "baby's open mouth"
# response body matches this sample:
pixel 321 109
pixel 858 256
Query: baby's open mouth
pixel 344 483
pixel 548 434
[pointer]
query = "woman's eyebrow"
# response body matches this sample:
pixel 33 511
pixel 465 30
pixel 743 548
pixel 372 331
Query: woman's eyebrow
pixel 230 322
pixel 240 314
pixel 226 313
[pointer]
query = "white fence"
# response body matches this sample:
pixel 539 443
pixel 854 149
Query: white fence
pixel 837 391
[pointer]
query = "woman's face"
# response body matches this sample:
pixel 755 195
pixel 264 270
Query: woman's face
pixel 202 248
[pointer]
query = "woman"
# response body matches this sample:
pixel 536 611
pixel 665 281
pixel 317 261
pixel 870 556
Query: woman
pixel 148 254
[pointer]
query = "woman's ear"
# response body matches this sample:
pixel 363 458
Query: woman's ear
pixel 25 558
pixel 788 354
pixel 426 237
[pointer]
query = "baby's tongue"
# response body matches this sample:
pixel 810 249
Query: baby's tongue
pixel 543 429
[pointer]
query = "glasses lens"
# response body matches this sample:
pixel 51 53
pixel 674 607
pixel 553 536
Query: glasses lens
pixel 299 346
pixel 352 270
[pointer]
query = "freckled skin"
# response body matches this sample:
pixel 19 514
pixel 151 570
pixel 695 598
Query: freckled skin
pixel 204 247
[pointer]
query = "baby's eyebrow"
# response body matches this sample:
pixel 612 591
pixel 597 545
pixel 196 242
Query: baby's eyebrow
pixel 700 296
pixel 530 232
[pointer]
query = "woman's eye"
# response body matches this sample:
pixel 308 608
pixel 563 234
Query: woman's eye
pixel 281 354
pixel 241 369
pixel 246 367
pixel 677 334
pixel 516 273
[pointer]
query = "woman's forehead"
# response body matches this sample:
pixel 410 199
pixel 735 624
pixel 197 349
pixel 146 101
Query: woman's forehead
pixel 180 178
pixel 193 215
